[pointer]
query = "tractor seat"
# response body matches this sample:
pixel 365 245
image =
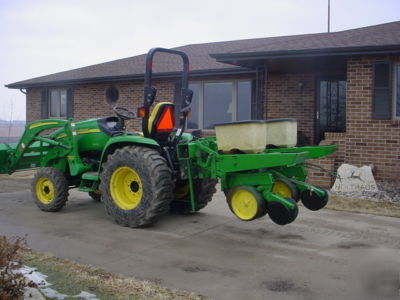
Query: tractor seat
pixel 111 126
pixel 161 120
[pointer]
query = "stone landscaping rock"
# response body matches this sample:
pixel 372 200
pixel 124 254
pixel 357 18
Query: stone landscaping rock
pixel 352 179
pixel 359 183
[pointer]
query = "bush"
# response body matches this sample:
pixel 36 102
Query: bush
pixel 12 283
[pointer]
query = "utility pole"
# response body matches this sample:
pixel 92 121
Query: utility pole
pixel 329 15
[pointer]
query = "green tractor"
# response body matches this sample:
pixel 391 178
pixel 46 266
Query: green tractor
pixel 141 176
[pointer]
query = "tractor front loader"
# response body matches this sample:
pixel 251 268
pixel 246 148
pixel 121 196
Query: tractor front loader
pixel 141 176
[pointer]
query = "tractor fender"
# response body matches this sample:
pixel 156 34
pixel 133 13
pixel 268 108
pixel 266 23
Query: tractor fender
pixel 126 140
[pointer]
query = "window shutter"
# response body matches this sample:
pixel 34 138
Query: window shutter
pixel 44 104
pixel 70 103
pixel 177 100
pixel 382 96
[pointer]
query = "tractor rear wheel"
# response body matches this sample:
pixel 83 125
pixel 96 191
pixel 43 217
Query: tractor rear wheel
pixel 136 186
pixel 204 191
pixel 96 195
pixel 49 189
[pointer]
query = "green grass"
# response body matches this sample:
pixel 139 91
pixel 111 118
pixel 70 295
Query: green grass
pixel 364 206
pixel 71 278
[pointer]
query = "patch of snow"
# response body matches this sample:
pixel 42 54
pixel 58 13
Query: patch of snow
pixel 52 294
pixel 35 276
pixel 86 295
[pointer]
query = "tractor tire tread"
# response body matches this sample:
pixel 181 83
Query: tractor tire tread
pixel 158 181
pixel 60 189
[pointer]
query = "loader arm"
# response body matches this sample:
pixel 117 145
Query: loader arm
pixel 33 150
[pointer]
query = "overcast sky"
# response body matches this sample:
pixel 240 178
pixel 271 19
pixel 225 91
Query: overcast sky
pixel 48 36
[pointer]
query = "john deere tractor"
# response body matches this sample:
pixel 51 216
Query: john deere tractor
pixel 139 176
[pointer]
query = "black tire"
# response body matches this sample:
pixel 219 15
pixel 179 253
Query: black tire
pixel 314 201
pixel 49 184
pixel 204 191
pixel 95 196
pixel 156 186
pixel 280 214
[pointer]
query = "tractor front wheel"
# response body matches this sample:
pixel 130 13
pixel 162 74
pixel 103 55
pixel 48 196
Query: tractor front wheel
pixel 49 189
pixel 136 186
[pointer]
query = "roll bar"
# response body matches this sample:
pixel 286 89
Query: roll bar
pixel 150 91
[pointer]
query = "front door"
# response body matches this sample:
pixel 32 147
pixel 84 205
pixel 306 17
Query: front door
pixel 331 107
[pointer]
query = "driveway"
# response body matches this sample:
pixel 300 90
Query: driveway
pixel 212 253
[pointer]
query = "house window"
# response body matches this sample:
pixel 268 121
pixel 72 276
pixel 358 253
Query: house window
pixel 58 103
pixel 396 100
pixel 219 102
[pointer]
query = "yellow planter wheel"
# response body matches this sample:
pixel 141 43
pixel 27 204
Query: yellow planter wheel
pixel 246 203
pixel 50 189
pixel 285 189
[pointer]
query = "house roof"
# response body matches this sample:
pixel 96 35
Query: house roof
pixel 203 56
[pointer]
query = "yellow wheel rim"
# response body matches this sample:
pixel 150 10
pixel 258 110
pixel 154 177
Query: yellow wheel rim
pixel 181 191
pixel 282 189
pixel 44 190
pixel 244 204
pixel 126 188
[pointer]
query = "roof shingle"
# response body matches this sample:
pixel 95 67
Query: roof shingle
pixel 200 59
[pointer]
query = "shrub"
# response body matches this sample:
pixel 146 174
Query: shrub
pixel 12 283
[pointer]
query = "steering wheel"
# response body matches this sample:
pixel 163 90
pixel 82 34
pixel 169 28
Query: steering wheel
pixel 124 113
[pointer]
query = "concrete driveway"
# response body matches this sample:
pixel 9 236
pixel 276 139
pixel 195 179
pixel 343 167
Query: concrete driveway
pixel 212 253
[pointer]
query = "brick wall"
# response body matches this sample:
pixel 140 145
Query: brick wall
pixel 287 99
pixel 329 163
pixel 32 104
pixel 90 102
pixel 369 141
pixel 89 99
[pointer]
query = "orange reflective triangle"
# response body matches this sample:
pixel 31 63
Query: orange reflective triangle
pixel 166 122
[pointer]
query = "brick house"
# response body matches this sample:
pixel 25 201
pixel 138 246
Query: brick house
pixel 342 87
